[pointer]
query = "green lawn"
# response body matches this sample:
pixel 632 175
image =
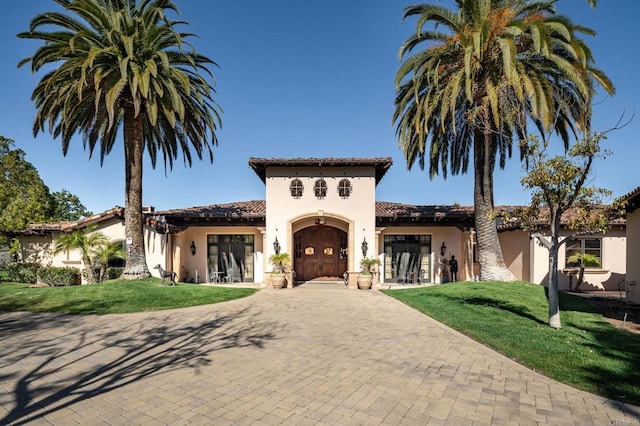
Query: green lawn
pixel 587 353
pixel 114 297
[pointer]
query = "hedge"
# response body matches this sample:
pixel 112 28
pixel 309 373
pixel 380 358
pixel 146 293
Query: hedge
pixel 22 272
pixel 59 276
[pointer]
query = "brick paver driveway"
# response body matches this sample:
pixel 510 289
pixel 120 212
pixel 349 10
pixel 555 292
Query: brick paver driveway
pixel 298 356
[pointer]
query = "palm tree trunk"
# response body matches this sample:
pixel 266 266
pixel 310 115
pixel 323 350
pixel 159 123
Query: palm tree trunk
pixel 492 266
pixel 88 267
pixel 136 264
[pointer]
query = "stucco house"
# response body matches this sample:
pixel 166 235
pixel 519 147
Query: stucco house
pixel 324 213
pixel 633 244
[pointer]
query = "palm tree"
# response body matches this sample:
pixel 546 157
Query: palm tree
pixel 87 241
pixel 106 252
pixel 122 64
pixel 488 70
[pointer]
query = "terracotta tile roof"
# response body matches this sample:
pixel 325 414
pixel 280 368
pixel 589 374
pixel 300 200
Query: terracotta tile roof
pixel 46 228
pixel 255 208
pixel 386 209
pixel 633 200
pixel 386 212
pixel 565 220
pixel 381 164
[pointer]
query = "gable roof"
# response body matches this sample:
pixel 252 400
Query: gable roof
pixel 380 164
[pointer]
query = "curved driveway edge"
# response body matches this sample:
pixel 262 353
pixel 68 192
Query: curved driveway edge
pixel 299 356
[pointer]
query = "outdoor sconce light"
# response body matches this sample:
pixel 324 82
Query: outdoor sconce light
pixel 365 247
pixel 276 246
pixel 443 249
pixel 193 248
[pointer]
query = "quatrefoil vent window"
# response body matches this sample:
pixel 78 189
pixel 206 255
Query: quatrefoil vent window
pixel 344 188
pixel 320 188
pixel 296 188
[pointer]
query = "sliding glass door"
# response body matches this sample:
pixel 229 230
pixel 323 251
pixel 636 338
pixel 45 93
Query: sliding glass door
pixel 230 258
pixel 407 259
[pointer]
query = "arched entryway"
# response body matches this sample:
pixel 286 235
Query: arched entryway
pixel 320 251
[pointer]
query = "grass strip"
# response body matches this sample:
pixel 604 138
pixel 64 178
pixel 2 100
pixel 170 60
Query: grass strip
pixel 587 352
pixel 113 297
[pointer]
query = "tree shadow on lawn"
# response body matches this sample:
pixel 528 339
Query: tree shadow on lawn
pixel 519 310
pixel 619 380
pixel 71 359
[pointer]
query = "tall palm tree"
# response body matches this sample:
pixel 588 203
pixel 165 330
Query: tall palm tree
pixel 87 241
pixel 122 64
pixel 487 71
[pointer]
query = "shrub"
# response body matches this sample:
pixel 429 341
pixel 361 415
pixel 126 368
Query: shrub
pixel 113 272
pixel 56 276
pixel 22 272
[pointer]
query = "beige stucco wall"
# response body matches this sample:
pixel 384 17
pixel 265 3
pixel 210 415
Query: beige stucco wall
pixel 185 264
pixel 355 214
pixel 608 277
pixel 40 249
pixel 516 251
pixel 155 246
pixel 36 249
pixel 633 255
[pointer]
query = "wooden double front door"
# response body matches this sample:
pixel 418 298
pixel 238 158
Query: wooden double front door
pixel 320 251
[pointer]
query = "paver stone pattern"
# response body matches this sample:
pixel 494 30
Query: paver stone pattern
pixel 302 356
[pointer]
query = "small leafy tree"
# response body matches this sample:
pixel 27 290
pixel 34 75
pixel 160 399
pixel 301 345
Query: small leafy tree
pixel 582 260
pixel 85 240
pixel 558 184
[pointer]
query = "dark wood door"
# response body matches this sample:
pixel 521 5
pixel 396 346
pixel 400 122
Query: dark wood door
pixel 320 251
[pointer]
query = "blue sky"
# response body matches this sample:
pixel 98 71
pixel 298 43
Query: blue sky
pixel 308 79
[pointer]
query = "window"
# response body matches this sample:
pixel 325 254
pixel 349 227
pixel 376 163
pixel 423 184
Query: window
pixel 296 188
pixel 407 258
pixel 344 188
pixel 320 188
pixel 585 251
pixel 230 257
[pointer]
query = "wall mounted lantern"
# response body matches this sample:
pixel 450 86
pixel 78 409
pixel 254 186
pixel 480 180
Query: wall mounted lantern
pixel 365 247
pixel 276 246
pixel 193 248
pixel 443 249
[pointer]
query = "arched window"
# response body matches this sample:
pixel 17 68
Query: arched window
pixel 344 188
pixel 296 188
pixel 320 188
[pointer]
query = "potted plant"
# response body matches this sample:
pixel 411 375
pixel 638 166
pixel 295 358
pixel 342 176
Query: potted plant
pixel 365 278
pixel 280 264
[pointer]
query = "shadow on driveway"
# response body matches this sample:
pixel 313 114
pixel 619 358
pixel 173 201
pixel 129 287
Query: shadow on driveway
pixel 88 356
